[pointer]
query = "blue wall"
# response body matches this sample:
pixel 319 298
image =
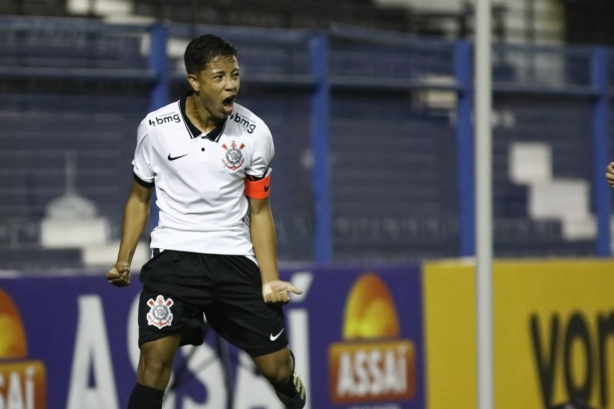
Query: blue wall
pixel 368 168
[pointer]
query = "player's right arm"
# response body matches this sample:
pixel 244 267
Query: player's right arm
pixel 136 210
pixel 610 174
pixel 136 216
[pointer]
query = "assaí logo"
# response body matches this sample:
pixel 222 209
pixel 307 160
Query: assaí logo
pixel 372 364
pixel 22 381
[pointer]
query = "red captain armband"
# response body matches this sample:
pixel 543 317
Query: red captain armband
pixel 258 189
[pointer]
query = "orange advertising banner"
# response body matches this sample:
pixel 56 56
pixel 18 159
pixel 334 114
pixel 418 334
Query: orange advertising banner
pixel 22 381
pixel 24 385
pixel 385 371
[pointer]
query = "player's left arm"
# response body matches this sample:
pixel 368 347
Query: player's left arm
pixel 262 226
pixel 264 241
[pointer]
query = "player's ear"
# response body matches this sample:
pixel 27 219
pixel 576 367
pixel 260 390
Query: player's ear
pixel 194 83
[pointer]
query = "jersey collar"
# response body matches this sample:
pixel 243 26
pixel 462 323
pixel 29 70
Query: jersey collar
pixel 214 135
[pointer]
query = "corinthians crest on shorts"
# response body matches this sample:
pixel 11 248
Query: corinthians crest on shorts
pixel 160 314
pixel 234 157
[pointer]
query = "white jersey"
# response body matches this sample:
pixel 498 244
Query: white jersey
pixel 200 178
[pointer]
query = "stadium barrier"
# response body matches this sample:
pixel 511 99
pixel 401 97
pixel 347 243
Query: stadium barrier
pixel 381 337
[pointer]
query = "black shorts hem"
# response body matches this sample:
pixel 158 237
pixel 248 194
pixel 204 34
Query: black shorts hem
pixel 256 352
pixel 194 336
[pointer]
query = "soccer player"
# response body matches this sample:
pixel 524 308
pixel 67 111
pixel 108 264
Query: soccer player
pixel 214 248
pixel 610 174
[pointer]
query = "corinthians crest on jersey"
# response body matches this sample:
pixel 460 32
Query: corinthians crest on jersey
pixel 234 157
pixel 160 314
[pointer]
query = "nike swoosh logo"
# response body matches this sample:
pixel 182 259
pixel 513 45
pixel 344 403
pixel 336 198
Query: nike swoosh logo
pixel 176 157
pixel 266 188
pixel 274 337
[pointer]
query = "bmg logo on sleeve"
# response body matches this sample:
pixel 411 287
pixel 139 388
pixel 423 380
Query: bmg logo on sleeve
pixel 165 119
pixel 241 120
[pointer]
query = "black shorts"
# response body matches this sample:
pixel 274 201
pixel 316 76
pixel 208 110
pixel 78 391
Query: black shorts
pixel 178 287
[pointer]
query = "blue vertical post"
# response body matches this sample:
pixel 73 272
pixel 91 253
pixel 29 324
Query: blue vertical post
pixel 601 190
pixel 320 101
pixel 463 71
pixel 158 63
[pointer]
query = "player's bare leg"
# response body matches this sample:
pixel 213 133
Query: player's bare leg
pixel 154 372
pixel 278 369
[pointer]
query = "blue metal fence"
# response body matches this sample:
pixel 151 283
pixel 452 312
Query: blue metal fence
pixel 373 132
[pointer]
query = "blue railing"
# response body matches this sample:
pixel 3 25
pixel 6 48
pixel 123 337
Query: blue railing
pixel 347 107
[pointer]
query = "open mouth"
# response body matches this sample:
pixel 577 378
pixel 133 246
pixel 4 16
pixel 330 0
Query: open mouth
pixel 228 101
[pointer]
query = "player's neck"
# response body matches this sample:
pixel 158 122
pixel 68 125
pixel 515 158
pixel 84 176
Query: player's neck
pixel 199 116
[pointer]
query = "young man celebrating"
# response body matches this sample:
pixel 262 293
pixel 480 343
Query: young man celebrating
pixel 214 249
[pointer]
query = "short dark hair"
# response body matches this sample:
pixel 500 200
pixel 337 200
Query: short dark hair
pixel 203 50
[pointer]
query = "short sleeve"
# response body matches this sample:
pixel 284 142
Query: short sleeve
pixel 262 154
pixel 141 164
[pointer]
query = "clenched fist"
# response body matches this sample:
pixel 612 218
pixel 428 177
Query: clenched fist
pixel 119 274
